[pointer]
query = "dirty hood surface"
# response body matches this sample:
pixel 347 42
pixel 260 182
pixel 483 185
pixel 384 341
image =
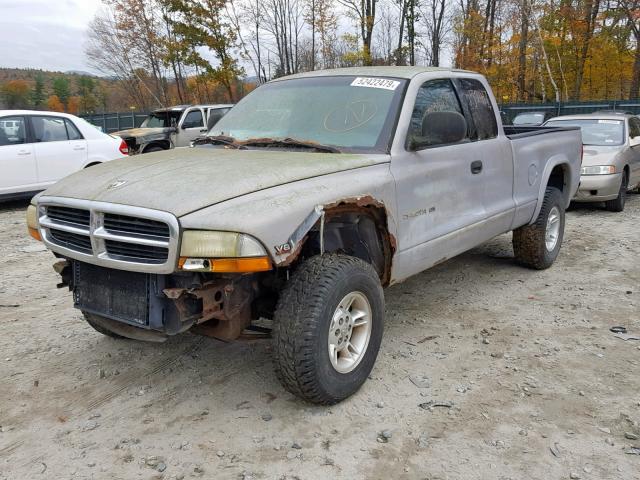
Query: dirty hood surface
pixel 183 180
pixel 143 132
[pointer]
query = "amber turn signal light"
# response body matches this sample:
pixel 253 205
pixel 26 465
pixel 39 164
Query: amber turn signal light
pixel 35 234
pixel 225 265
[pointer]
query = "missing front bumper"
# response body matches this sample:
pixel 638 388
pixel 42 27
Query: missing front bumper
pixel 165 304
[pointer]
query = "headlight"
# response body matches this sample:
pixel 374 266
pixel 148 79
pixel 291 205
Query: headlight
pixel 32 222
pixel 208 251
pixel 598 170
pixel 204 243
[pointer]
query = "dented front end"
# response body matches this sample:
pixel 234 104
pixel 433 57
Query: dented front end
pixel 151 306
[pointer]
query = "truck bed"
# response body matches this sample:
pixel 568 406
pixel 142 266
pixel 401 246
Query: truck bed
pixel 513 132
pixel 533 149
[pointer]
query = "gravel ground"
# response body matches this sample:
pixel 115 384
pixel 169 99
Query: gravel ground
pixel 532 382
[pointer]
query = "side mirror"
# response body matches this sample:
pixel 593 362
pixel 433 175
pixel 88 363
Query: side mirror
pixel 440 128
pixel 634 141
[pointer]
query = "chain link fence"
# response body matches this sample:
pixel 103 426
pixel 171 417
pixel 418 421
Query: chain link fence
pixel 510 110
pixel 114 122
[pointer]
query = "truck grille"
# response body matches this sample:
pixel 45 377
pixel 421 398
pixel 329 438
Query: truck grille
pixel 136 226
pixel 73 216
pixel 110 235
pixel 82 243
pixel 139 253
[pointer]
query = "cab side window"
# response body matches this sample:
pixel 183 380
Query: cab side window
pixel 193 119
pixel 433 96
pixel 49 129
pixel 12 131
pixel 479 108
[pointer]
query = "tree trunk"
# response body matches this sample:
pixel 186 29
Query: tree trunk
pixel 522 53
pixel 634 91
pixel 403 14
pixel 591 12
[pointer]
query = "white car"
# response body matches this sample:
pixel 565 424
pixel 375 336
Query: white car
pixel 39 148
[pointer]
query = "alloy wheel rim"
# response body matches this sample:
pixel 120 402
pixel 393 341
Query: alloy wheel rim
pixel 349 332
pixel 553 229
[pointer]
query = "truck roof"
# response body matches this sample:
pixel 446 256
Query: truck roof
pixel 407 72
pixel 181 108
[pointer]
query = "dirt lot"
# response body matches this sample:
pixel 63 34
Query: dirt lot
pixel 539 386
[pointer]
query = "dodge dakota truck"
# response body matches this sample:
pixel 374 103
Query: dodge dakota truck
pixel 311 195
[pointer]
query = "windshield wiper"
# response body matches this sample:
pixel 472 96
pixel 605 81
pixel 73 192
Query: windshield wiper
pixel 219 140
pixel 290 142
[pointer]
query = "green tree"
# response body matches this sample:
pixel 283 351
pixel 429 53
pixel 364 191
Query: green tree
pixel 85 88
pixel 202 23
pixel 38 96
pixel 61 89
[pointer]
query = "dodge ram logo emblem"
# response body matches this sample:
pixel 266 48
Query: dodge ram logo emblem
pixel 116 184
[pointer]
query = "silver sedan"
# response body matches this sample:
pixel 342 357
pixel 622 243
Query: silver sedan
pixel 611 156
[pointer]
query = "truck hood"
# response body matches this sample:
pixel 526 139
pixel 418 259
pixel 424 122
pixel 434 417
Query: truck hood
pixel 143 132
pixel 184 180
pixel 600 154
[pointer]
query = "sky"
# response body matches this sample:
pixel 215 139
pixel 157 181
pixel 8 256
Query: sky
pixel 46 34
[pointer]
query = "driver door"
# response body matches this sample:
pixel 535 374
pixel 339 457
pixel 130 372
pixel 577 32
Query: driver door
pixel 190 127
pixel 439 186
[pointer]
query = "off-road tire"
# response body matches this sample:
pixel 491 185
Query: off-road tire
pixel 617 204
pixel 301 327
pixel 99 328
pixel 529 245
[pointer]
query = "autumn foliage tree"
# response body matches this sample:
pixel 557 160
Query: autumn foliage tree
pixel 55 104
pixel 203 24
pixel 16 94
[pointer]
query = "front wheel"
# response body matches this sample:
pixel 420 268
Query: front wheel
pixel 328 327
pixel 537 245
pixel 617 204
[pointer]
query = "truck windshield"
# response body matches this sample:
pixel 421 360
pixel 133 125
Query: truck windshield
pixel 597 132
pixel 346 112
pixel 161 120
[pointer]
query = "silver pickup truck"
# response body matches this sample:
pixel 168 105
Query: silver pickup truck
pixel 304 201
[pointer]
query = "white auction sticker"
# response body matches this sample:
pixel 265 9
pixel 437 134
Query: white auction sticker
pixel 370 82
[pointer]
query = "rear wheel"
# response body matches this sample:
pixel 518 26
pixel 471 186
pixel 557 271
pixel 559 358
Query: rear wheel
pixel 537 245
pixel 328 328
pixel 617 205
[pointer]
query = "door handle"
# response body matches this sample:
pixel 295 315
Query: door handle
pixel 476 167
pixel 24 152
pixel 78 148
